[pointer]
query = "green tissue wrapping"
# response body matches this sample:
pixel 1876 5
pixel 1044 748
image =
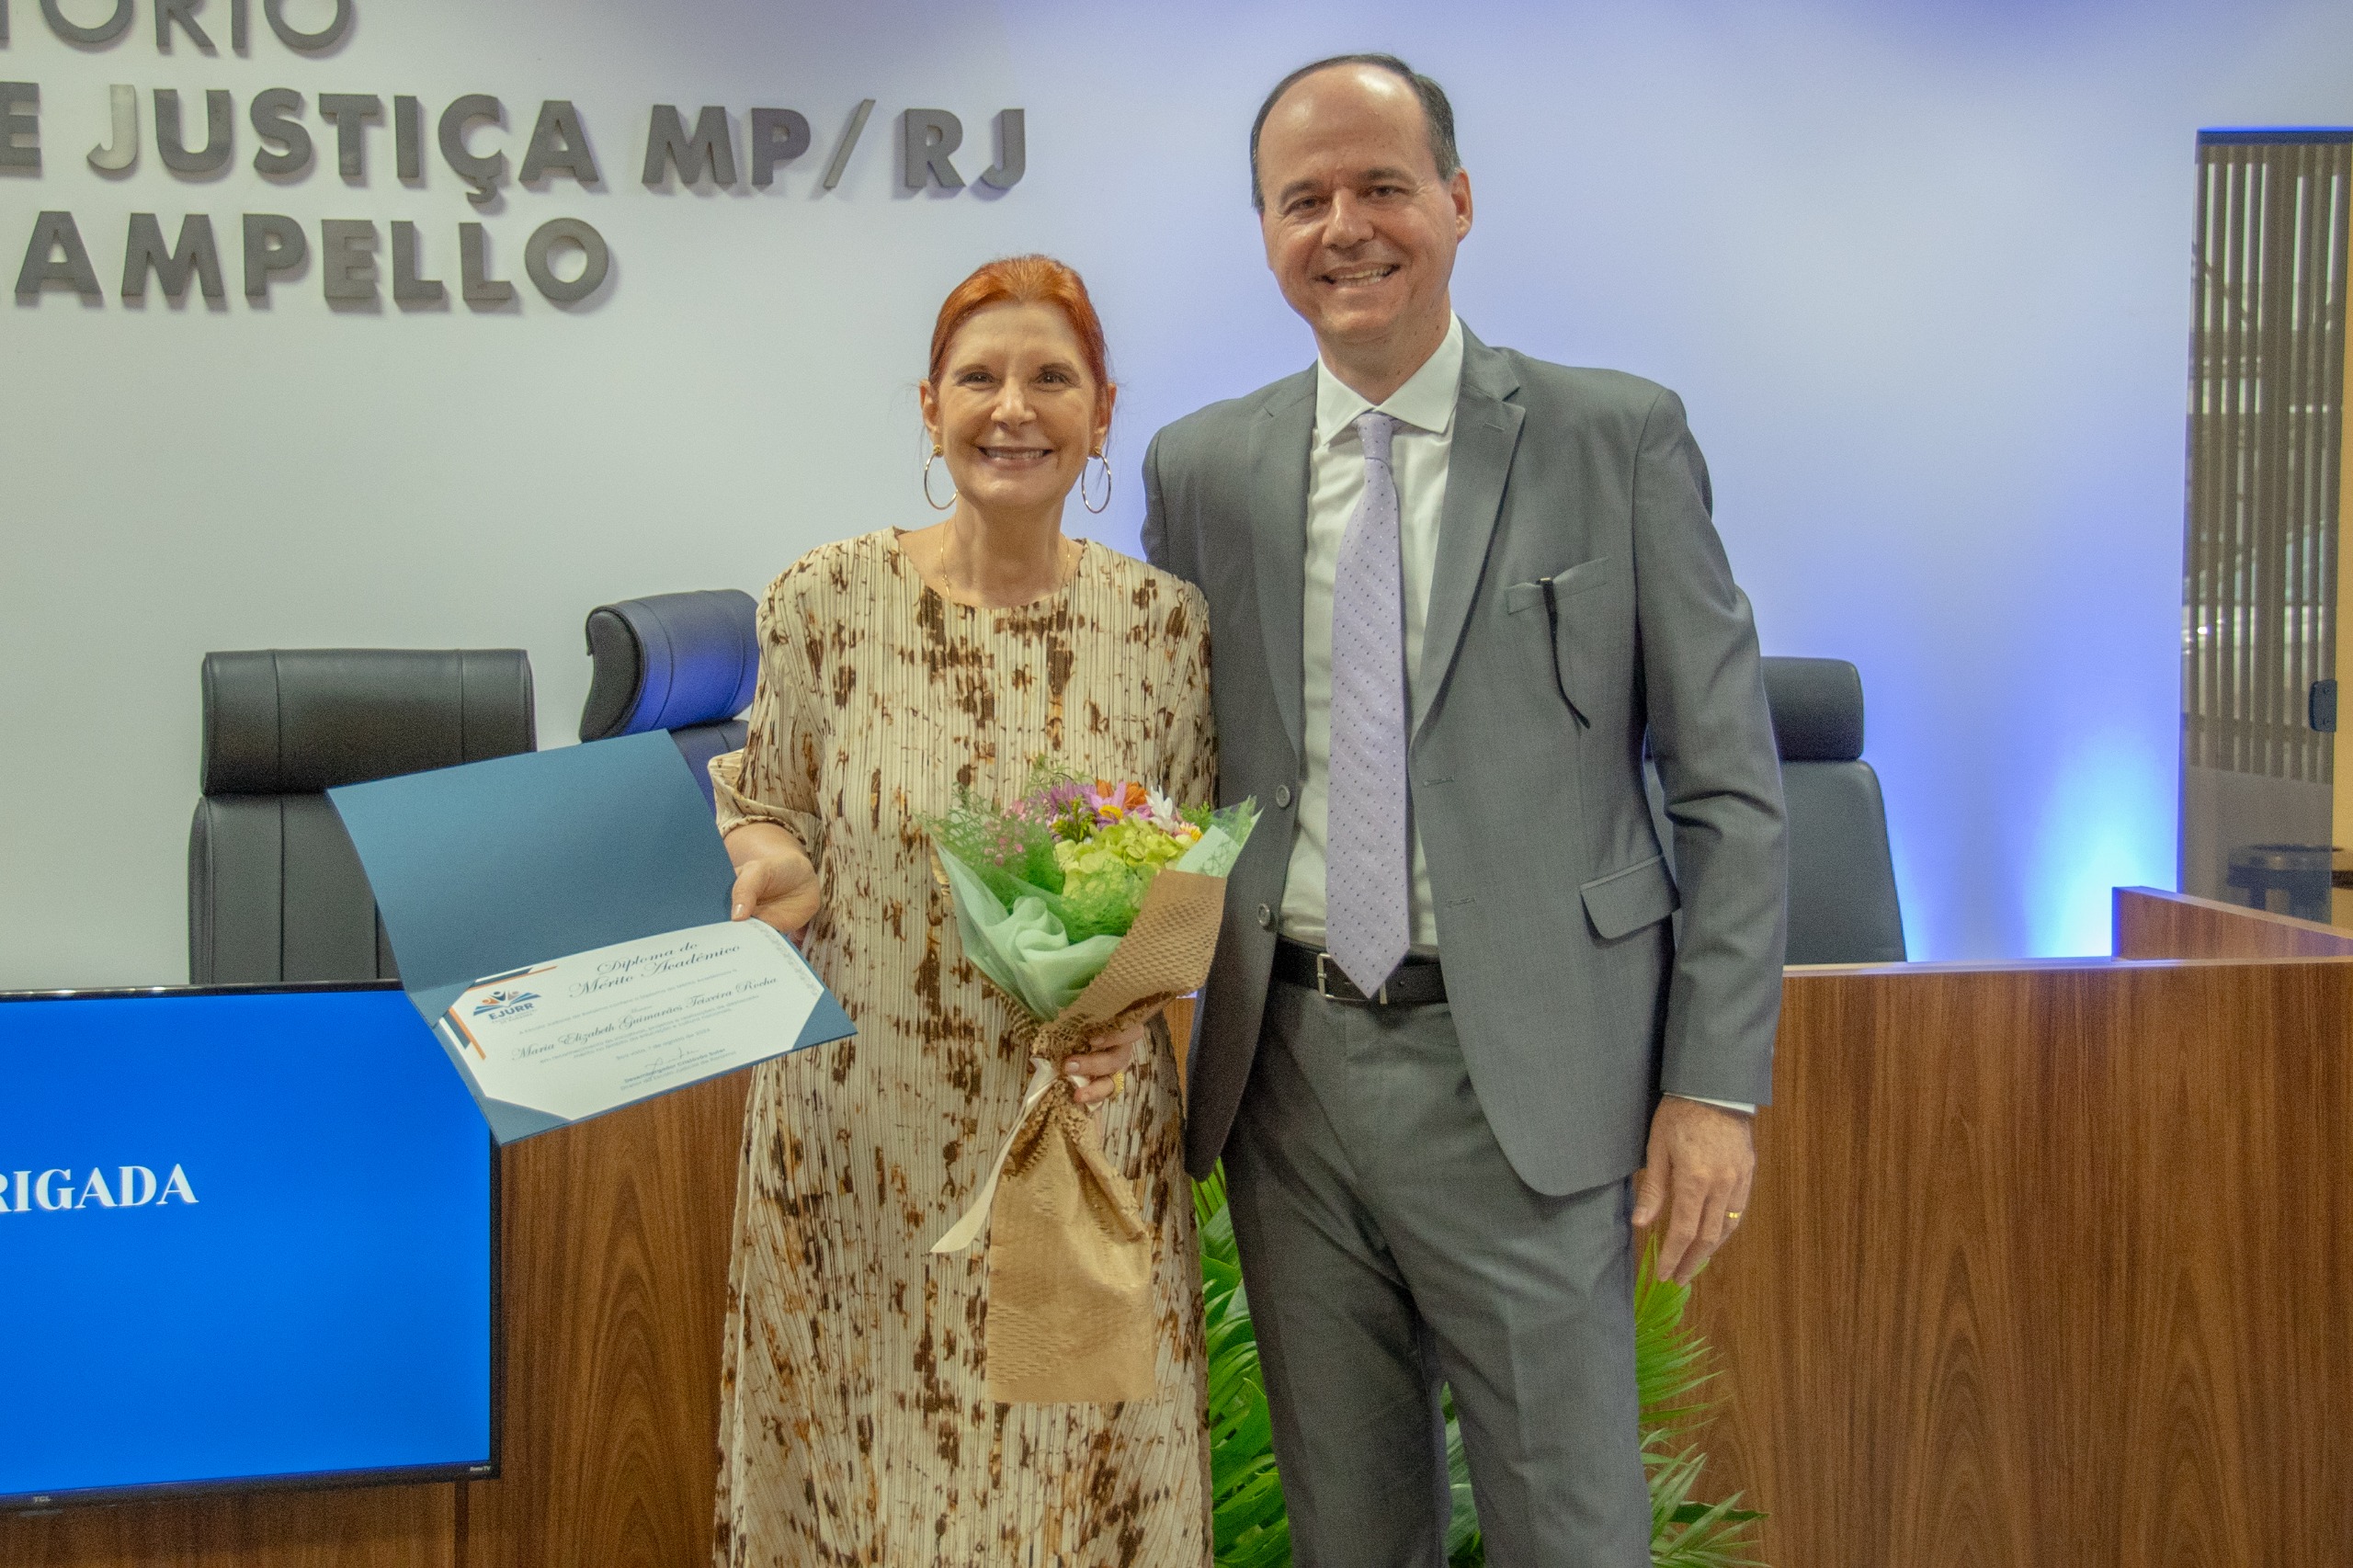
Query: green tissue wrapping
pixel 1023 948
pixel 1220 843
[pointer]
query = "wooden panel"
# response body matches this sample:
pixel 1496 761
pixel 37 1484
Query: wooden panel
pixel 2151 924
pixel 2048 1265
pixel 615 1294
pixel 373 1527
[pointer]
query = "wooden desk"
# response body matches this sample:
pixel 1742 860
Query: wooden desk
pixel 2047 1264
pixel 2051 1263
pixel 2151 924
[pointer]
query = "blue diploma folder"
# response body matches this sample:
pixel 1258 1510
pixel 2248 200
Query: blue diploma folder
pixel 501 865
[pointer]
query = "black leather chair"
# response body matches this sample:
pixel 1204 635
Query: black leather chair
pixel 275 892
pixel 685 663
pixel 1842 879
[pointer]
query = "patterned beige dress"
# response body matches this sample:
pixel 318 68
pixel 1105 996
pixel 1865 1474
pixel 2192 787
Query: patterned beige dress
pixel 854 1423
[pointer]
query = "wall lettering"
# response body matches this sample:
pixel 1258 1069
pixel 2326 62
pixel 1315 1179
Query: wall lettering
pixel 566 258
pixel 194 257
pixel 21 126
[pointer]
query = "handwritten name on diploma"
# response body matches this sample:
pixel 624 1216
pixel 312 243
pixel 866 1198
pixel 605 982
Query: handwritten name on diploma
pixel 603 1028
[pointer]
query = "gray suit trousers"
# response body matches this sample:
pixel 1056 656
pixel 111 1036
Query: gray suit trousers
pixel 1388 1243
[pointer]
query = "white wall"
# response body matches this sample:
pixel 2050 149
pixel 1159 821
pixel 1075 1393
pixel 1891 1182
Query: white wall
pixel 1920 272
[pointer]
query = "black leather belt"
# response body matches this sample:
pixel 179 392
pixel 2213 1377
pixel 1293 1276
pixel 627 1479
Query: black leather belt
pixel 1415 982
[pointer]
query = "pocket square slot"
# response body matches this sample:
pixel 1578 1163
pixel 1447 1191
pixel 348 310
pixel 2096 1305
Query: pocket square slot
pixel 1546 593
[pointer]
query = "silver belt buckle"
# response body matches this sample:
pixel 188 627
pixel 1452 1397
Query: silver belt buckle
pixel 1323 985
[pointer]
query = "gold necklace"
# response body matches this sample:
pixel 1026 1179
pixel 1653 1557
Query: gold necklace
pixel 1066 563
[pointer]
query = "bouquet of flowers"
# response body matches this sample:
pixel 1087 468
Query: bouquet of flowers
pixel 1091 904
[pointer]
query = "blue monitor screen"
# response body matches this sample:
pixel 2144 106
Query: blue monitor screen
pixel 248 1236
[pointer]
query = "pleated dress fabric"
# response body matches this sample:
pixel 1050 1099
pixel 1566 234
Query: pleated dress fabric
pixel 855 1425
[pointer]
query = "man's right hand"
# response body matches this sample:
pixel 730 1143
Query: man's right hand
pixel 779 888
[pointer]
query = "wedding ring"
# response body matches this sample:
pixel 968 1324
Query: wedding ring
pixel 1733 1215
pixel 1118 1081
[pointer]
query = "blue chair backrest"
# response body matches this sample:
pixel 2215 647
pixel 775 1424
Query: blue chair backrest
pixel 685 663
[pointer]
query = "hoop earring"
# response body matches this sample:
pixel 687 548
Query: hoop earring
pixel 1082 500
pixel 937 505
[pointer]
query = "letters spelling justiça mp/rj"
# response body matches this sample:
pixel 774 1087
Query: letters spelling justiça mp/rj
pixel 276 247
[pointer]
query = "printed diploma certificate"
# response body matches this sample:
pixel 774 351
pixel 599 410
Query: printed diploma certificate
pixel 588 889
pixel 597 1031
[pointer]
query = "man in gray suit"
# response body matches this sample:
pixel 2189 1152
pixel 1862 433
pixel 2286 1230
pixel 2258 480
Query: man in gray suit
pixel 1454 591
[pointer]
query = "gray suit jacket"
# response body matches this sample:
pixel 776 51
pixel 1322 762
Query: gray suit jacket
pixel 1574 1001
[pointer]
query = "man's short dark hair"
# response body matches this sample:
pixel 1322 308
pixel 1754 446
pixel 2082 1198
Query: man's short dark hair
pixel 1437 115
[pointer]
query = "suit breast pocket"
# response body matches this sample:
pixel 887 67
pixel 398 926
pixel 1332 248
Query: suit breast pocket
pixel 1558 604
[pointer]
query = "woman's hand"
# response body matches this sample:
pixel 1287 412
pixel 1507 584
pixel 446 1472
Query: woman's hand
pixel 774 880
pixel 1092 1072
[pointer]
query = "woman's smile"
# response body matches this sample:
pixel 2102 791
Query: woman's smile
pixel 1018 457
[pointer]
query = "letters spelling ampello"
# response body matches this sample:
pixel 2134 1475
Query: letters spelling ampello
pixel 56 1189
pixel 566 258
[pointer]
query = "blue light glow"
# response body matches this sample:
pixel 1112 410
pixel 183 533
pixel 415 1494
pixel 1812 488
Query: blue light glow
pixel 2107 821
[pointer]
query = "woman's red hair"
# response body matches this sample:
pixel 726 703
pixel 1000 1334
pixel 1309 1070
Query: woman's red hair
pixel 1023 280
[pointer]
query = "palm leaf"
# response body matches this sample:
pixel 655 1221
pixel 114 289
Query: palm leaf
pixel 1464 1545
pixel 1684 1533
pixel 1670 1361
pixel 1249 1527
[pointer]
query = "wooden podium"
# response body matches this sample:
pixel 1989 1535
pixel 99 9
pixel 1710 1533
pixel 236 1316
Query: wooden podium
pixel 2052 1263
pixel 2048 1263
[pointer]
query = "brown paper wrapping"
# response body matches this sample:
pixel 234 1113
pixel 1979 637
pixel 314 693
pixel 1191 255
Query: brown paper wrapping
pixel 1070 1314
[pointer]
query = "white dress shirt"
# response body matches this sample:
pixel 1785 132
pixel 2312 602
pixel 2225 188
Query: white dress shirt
pixel 1424 408
pixel 1418 455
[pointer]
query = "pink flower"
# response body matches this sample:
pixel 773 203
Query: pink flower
pixel 1117 802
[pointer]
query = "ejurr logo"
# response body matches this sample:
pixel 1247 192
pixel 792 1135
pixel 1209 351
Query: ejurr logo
pixel 497 1004
pixel 134 1186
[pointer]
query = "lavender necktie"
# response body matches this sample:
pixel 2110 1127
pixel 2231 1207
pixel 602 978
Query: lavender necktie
pixel 1366 923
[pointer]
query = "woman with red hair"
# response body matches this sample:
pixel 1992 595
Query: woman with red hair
pixel 897 667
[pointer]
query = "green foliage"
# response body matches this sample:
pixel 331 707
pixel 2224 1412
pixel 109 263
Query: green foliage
pixel 1246 1502
pixel 1685 1533
pixel 1671 1369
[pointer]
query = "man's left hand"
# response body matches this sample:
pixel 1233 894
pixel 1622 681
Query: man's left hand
pixel 1701 1160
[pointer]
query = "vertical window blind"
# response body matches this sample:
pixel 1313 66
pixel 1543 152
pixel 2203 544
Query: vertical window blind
pixel 2265 436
